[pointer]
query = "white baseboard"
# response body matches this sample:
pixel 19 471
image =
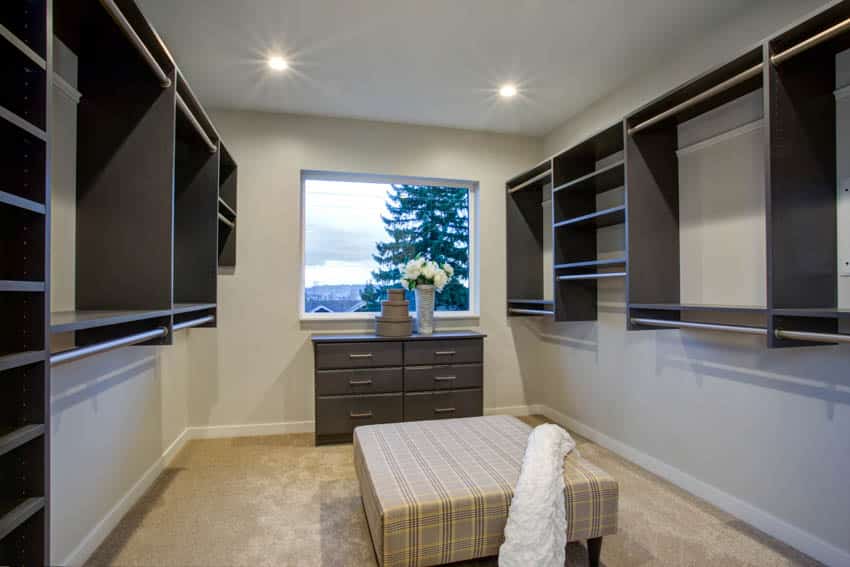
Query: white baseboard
pixel 251 430
pixel 104 527
pixel 518 411
pixel 809 544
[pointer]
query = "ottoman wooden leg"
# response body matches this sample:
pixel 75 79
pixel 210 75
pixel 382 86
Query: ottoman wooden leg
pixel 594 548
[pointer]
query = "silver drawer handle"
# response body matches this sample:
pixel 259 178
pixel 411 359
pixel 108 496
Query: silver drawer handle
pixel 360 382
pixel 361 414
pixel 444 410
pixel 445 378
pixel 445 352
pixel 365 355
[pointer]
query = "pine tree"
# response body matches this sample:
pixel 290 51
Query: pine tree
pixel 426 220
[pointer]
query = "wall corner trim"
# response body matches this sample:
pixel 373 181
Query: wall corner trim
pixel 806 542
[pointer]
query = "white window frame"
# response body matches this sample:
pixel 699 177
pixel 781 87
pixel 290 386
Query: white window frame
pixel 472 186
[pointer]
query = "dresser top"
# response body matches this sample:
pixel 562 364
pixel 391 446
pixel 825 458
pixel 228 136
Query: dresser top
pixel 363 338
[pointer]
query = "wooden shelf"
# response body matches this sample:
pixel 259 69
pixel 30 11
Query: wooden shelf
pixel 21 203
pixel 67 321
pixel 751 309
pixel 599 219
pixel 601 180
pixel 815 313
pixel 13 437
pixel 190 307
pixel 592 264
pixel 13 513
pixel 18 359
pixel 21 286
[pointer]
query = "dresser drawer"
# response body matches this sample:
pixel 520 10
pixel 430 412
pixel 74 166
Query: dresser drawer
pixel 358 355
pixel 442 405
pixel 424 378
pixel 361 381
pixel 418 353
pixel 340 415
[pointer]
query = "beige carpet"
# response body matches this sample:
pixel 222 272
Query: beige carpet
pixel 279 501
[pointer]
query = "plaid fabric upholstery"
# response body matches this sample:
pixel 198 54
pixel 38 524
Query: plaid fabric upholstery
pixel 439 491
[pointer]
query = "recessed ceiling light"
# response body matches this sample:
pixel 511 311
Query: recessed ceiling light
pixel 507 91
pixel 278 63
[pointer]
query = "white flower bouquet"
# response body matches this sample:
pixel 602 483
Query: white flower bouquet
pixel 420 271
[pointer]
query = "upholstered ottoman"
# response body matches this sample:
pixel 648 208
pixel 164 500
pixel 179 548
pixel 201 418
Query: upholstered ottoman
pixel 437 492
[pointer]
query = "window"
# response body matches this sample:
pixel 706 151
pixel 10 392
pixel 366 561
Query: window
pixel 358 229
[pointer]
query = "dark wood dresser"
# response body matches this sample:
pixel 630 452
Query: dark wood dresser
pixel 366 379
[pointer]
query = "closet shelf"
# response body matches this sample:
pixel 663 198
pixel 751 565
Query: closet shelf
pixel 601 180
pixel 815 313
pixel 21 203
pixel 190 307
pixel 595 276
pixel 538 179
pixel 13 513
pixel 21 286
pixel 532 301
pixel 591 264
pixel 67 321
pixel 599 219
pixel 21 46
pixel 23 124
pixel 18 359
pixel 752 309
pixel 13 437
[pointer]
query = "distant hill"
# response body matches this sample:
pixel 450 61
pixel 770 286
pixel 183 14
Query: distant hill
pixel 334 292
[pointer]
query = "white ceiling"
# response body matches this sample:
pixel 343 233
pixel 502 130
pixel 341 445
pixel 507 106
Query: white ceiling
pixel 435 62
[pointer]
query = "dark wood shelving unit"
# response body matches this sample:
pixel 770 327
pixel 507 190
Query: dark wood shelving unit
pixel 525 227
pixel 227 211
pixel 582 175
pixel 191 307
pixel 196 204
pixel 802 193
pixel 652 174
pixel 25 42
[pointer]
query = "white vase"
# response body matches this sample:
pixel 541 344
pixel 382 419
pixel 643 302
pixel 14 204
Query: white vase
pixel 425 309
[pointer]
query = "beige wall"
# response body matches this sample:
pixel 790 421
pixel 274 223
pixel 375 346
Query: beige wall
pixel 761 432
pixel 258 367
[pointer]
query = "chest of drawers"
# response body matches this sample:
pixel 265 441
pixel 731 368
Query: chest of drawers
pixel 366 379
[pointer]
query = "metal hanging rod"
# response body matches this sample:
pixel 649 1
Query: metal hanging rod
pixel 531 181
pixel 592 276
pixel 811 42
pixel 531 312
pixel 137 42
pixel 728 83
pixel 193 323
pixel 226 220
pixel 97 348
pixel 702 326
pixel 812 337
pixel 195 124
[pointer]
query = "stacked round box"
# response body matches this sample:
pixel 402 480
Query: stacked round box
pixel 395 320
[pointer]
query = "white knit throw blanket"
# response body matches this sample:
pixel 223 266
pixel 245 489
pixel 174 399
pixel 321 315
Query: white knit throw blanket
pixel 536 531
